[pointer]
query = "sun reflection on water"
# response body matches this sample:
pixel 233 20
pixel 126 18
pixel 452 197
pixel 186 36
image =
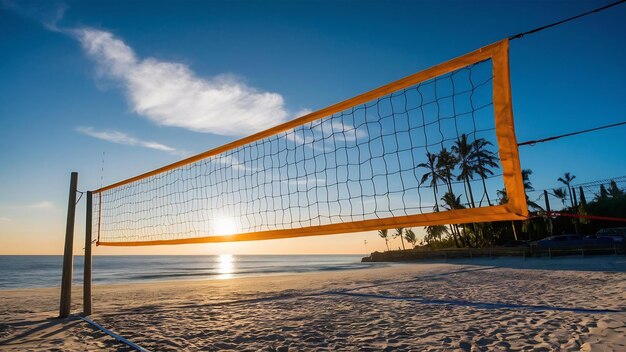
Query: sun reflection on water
pixel 225 266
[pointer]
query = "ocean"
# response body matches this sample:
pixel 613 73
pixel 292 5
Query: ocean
pixel 45 271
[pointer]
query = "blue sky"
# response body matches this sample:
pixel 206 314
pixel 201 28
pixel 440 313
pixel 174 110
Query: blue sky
pixel 65 102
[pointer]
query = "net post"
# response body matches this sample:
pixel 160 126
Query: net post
pixel 68 255
pixel 99 216
pixel 87 267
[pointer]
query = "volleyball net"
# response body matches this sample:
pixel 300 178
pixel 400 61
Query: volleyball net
pixel 436 147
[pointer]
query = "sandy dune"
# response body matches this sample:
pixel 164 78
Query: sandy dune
pixel 571 304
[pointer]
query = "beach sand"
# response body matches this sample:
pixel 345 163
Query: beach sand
pixel 567 304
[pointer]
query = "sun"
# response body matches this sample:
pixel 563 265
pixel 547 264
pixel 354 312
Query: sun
pixel 225 226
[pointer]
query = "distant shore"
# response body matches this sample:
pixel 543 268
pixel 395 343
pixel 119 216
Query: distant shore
pixel 425 254
pixel 479 304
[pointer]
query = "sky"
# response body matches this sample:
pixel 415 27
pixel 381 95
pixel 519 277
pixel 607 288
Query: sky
pixel 111 89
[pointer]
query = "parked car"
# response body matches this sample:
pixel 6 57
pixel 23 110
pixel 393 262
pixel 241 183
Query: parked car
pixel 573 242
pixel 618 234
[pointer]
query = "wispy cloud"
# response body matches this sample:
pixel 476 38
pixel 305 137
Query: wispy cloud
pixel 43 205
pixel 49 13
pixel 126 139
pixel 3 219
pixel 171 94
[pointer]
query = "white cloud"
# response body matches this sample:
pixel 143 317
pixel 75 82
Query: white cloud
pixel 2 219
pixel 170 94
pixel 126 139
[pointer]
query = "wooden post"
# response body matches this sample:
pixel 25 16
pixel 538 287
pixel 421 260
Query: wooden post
pixel 576 222
pixel 545 197
pixel 68 255
pixel 87 266
pixel 583 199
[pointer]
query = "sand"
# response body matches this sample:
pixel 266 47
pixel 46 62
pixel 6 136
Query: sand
pixel 568 304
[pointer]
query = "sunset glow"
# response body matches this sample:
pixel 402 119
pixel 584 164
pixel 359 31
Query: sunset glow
pixel 224 226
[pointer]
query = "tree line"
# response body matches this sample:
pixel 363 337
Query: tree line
pixel 467 161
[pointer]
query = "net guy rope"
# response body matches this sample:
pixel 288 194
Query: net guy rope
pixel 119 338
pixel 355 166
pixel 533 142
pixel 539 29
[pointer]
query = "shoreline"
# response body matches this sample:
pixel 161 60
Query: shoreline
pixel 45 272
pixel 609 263
pixel 201 281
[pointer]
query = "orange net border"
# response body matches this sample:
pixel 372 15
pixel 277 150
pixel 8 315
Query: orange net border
pixel 515 209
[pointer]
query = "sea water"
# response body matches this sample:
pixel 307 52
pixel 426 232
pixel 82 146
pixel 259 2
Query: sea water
pixel 45 271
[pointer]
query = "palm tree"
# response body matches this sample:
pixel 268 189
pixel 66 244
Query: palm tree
pixel 483 160
pixel 384 235
pixel 452 202
pixel 410 237
pixel 399 233
pixel 560 194
pixel 502 196
pixel 528 187
pixel 567 180
pixel 435 232
pixel 463 154
pixel 446 162
pixel 431 166
pixel 474 158
pixel 614 190
pixel 604 194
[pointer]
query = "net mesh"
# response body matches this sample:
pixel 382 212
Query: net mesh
pixel 424 148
